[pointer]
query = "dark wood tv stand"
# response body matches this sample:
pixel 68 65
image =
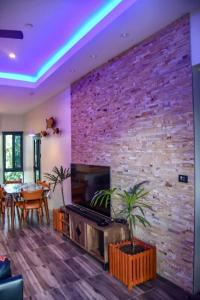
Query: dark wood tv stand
pixel 91 237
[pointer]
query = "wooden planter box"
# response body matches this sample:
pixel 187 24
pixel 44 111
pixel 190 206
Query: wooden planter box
pixel 57 219
pixel 132 269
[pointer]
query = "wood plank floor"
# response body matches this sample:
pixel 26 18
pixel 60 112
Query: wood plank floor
pixel 54 268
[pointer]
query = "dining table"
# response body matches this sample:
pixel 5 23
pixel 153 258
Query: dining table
pixel 13 194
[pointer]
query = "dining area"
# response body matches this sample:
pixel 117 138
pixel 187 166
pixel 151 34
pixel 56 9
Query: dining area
pixel 22 203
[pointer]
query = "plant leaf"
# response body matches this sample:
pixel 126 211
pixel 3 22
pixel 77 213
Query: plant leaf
pixel 143 220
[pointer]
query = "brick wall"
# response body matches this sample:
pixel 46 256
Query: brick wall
pixel 135 114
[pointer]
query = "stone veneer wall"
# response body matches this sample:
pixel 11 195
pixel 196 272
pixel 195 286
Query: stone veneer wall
pixel 135 114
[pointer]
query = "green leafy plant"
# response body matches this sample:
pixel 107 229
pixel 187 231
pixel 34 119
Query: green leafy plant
pixel 133 210
pixel 58 176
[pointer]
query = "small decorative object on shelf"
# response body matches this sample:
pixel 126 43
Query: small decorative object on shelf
pixel 56 130
pixel 50 128
pixel 50 123
pixel 44 133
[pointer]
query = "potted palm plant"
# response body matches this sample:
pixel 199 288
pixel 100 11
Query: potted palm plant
pixel 124 253
pixel 58 176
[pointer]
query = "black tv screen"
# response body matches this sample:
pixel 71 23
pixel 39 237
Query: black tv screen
pixel 86 180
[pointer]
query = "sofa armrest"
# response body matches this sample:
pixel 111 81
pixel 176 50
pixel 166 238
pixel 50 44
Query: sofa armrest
pixel 11 288
pixel 5 271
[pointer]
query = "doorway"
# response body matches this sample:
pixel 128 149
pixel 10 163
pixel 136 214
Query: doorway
pixel 37 157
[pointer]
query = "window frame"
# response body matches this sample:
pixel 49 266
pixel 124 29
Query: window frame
pixel 14 168
pixel 37 162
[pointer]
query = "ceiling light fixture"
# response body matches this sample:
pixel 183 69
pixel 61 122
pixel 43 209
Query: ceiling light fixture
pixel 12 55
pixel 72 70
pixel 31 133
pixel 29 25
pixel 124 35
pixel 93 56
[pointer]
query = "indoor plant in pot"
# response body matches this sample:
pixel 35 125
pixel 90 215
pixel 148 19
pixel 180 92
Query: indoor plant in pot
pixel 58 176
pixel 123 254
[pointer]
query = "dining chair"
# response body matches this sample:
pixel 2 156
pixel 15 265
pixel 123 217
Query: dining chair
pixel 2 202
pixel 31 201
pixel 13 197
pixel 5 205
pixel 13 181
pixel 45 185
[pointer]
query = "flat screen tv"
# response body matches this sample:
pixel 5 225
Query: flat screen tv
pixel 86 180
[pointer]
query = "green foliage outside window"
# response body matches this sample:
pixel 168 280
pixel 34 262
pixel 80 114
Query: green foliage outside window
pixel 13 176
pixel 13 155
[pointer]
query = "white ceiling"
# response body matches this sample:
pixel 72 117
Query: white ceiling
pixel 53 22
pixel 140 20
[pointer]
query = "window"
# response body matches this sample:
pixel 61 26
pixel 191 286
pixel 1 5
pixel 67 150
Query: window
pixel 37 156
pixel 13 155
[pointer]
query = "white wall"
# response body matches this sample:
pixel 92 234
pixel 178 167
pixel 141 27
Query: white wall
pixel 195 37
pixel 55 149
pixel 9 123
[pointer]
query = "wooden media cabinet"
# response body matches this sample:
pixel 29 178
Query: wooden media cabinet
pixel 91 237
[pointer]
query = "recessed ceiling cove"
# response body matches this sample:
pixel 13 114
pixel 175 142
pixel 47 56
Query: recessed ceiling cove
pixel 53 30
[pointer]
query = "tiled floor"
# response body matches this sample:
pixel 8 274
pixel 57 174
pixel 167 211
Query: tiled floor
pixel 54 268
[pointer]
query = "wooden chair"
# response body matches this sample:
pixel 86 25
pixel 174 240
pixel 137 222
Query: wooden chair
pixel 17 181
pixel 46 185
pixel 13 181
pixel 2 202
pixel 5 205
pixel 31 201
pixel 43 183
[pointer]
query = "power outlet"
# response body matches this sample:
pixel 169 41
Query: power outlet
pixel 183 178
